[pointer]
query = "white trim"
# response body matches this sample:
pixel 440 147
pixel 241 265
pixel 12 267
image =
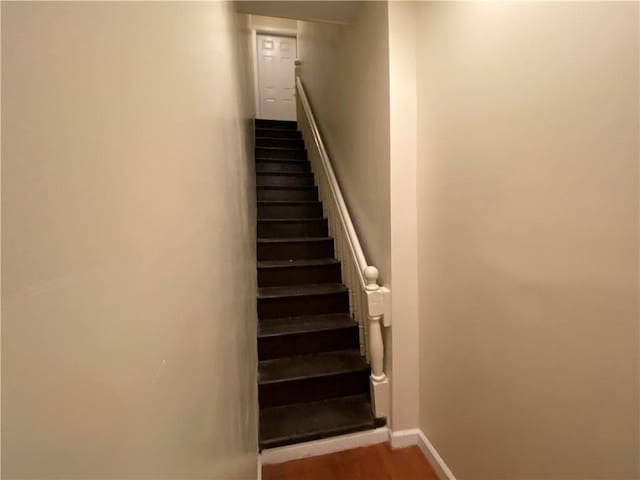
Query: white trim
pixel 415 436
pixel 277 32
pixel 259 475
pixel 254 53
pixel 404 438
pixel 434 458
pixel 324 446
pixel 397 439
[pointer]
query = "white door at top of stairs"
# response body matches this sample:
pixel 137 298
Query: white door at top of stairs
pixel 276 82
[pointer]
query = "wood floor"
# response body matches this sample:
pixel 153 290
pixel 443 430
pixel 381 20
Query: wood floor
pixel 377 462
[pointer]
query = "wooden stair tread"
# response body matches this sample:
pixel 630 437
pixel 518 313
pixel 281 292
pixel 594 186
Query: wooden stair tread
pixel 305 324
pixel 286 174
pixel 280 160
pixel 306 262
pixel 310 366
pixel 293 239
pixel 310 421
pixel 287 187
pixel 266 137
pixel 293 220
pixel 276 124
pixel 283 203
pixel 274 131
pixel 266 147
pixel 301 290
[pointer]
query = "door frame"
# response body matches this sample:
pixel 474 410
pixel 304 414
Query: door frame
pixel 276 32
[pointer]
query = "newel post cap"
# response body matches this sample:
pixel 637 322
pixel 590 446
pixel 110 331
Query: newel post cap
pixel 371 277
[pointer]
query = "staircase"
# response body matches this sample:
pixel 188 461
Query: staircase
pixel 312 381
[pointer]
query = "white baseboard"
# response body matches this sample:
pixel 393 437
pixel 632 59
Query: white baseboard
pixel 415 436
pixel 324 446
pixel 404 438
pixel 397 439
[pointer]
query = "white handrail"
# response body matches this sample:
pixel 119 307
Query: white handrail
pixel 333 182
pixel 367 298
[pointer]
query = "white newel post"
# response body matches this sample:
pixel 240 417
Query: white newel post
pixel 378 380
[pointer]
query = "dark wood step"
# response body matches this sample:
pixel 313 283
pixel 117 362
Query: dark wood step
pixel 278 152
pixel 308 209
pixel 277 133
pixel 312 381
pixel 276 124
pixel 287 193
pixel 294 248
pixel 296 143
pixel 287 337
pixel 279 159
pixel 293 301
pixel 314 420
pixel 296 227
pixel 284 166
pixel 290 380
pixel 284 179
pixel 272 273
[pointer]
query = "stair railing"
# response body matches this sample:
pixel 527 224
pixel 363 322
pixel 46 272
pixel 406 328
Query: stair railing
pixel 370 302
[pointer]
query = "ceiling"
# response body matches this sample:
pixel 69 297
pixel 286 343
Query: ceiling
pixel 342 13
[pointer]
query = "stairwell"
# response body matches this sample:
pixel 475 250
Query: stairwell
pixel 312 381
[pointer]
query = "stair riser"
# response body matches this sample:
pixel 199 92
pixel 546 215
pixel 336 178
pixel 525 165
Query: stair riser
pixel 280 142
pixel 283 167
pixel 303 437
pixel 316 228
pixel 303 305
pixel 273 277
pixel 290 211
pixel 276 124
pixel 281 153
pixel 295 251
pixel 277 133
pixel 287 195
pixel 298 180
pixel 313 389
pixel 307 343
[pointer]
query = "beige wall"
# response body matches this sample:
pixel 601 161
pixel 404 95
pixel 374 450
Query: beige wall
pixel 340 12
pixel 275 24
pixel 528 237
pixel 128 284
pixel 345 71
pixel 403 356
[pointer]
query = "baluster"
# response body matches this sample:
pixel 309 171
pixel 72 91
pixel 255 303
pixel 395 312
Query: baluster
pixel 364 345
pixel 352 286
pixel 332 215
pixel 346 274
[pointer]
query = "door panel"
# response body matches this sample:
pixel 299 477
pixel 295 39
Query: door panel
pixel 276 82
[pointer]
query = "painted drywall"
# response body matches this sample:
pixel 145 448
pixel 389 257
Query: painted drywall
pixel 273 24
pixel 528 237
pixel 128 284
pixel 338 12
pixel 404 340
pixel 345 71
